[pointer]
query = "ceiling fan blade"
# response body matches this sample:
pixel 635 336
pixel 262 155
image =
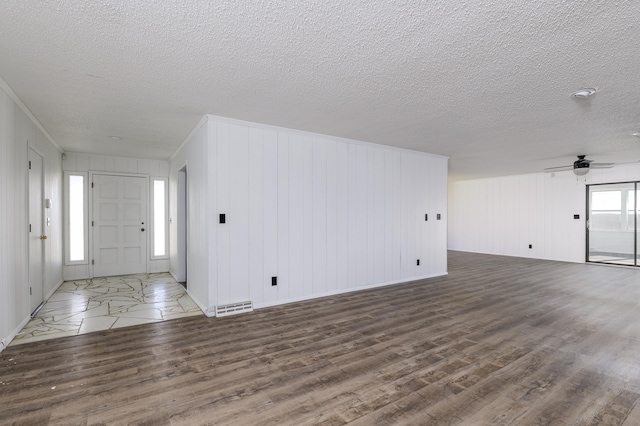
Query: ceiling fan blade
pixel 558 169
pixel 601 165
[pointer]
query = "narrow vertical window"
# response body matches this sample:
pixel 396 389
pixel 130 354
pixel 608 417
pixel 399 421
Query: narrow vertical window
pixel 76 215
pixel 159 218
pixel 76 218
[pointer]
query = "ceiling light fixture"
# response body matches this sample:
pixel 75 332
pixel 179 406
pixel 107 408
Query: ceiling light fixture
pixel 583 93
pixel 115 138
pixel 636 134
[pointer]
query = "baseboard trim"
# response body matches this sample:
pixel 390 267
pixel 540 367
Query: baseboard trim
pixel 519 256
pixel 7 340
pixel 210 312
pixel 343 291
pixel 55 288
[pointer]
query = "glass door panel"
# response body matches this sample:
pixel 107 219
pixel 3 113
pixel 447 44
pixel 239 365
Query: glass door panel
pixel 612 223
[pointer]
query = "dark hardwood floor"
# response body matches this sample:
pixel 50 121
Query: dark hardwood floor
pixel 498 341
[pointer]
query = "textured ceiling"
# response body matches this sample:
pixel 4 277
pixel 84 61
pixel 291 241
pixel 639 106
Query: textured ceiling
pixel 487 83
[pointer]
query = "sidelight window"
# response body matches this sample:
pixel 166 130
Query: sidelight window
pixel 160 210
pixel 76 212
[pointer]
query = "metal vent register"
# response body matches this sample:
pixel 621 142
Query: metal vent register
pixel 233 308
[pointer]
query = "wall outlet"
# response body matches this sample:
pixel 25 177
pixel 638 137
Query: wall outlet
pixel 530 246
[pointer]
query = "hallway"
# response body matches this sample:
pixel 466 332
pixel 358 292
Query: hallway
pixel 84 306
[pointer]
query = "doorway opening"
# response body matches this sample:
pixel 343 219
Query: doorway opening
pixel 182 226
pixel 612 223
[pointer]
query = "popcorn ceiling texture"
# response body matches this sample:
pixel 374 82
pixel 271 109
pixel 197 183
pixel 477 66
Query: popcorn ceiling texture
pixel 480 81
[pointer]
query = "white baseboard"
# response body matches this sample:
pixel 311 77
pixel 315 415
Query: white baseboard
pixel 343 291
pixel 210 312
pixel 7 340
pixel 55 287
pixel 520 256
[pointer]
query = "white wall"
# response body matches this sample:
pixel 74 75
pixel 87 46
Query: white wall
pixel 18 132
pixel 194 154
pixel 77 162
pixel 504 215
pixel 325 215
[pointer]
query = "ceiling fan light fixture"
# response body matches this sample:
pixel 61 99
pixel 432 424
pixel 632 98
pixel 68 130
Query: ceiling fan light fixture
pixel 584 93
pixel 581 171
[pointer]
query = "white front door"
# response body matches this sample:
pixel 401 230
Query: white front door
pixel 119 225
pixel 36 231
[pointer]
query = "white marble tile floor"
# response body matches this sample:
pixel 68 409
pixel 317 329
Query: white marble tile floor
pixel 83 306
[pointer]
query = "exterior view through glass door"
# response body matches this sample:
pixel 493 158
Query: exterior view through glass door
pixel 612 223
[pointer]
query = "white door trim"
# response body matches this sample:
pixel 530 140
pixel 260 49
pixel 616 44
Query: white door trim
pixel 36 289
pixel 91 228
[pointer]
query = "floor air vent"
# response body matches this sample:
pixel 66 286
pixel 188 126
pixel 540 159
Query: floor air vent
pixel 233 308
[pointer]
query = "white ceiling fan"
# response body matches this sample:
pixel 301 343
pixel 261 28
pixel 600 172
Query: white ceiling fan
pixel 581 166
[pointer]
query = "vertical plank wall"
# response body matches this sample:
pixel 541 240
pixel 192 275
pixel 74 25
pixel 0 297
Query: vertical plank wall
pixel 18 132
pixel 503 215
pixel 201 199
pixel 323 215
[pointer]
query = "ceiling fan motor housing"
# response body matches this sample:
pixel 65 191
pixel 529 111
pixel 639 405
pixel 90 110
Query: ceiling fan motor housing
pixel 581 163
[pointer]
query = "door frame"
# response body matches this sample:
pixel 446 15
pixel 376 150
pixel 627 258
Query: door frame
pixel 636 261
pixel 33 310
pixel 182 226
pixel 90 212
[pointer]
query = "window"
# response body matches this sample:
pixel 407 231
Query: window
pixel 606 210
pixel 160 225
pixel 76 213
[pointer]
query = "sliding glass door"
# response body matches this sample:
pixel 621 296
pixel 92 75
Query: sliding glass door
pixel 612 224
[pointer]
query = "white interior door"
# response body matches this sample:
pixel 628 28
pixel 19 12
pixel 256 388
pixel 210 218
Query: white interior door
pixel 119 225
pixel 36 231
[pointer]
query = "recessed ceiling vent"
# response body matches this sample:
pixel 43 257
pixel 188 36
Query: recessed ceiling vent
pixel 233 309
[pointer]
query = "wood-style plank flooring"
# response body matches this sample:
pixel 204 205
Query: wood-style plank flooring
pixel 499 341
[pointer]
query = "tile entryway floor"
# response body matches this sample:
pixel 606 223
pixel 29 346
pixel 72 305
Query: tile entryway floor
pixel 83 306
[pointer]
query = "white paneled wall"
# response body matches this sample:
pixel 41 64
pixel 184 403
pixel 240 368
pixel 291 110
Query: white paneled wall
pixel 18 132
pixel 323 215
pixel 78 162
pixel 504 215
pixel 201 226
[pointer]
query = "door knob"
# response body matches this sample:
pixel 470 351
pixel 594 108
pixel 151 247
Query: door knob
pixel 43 237
pixel 141 229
